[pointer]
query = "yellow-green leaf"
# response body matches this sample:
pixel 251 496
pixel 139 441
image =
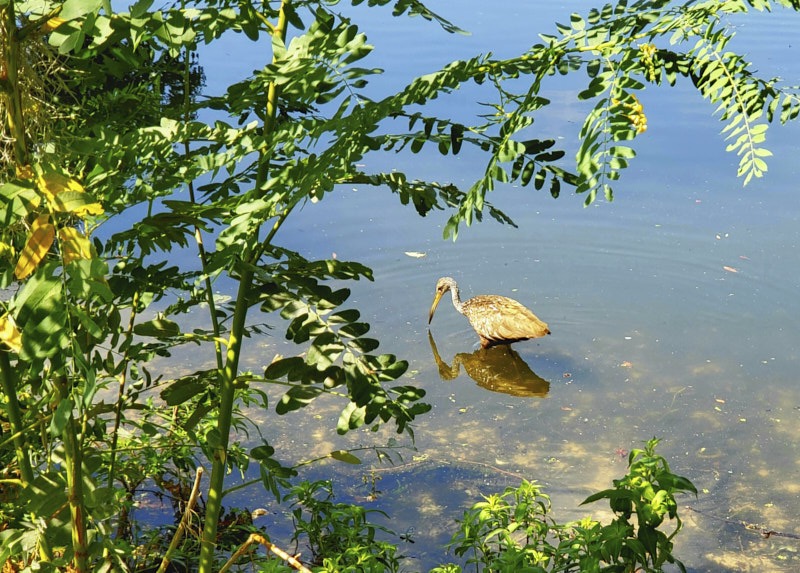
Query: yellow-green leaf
pixel 77 203
pixel 74 245
pixel 52 184
pixel 39 242
pixel 9 334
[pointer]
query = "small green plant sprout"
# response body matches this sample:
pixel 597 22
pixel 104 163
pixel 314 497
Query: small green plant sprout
pixel 648 491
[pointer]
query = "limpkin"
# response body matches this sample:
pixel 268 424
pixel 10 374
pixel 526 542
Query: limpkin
pixel 497 319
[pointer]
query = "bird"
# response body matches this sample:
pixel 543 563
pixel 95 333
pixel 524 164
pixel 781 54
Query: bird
pixel 496 319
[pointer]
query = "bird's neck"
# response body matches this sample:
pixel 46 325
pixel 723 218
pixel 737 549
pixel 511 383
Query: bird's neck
pixel 456 298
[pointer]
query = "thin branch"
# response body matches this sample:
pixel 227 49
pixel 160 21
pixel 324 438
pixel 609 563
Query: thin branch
pixel 260 539
pixel 184 524
pixel 764 531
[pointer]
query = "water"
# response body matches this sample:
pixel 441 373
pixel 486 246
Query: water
pixel 673 311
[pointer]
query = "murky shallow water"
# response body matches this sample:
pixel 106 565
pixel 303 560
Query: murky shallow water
pixel 673 311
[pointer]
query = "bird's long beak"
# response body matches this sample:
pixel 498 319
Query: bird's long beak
pixel 436 300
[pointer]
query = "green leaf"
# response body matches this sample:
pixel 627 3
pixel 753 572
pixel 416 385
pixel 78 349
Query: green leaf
pixel 182 390
pixel 262 453
pixel 606 493
pixel 365 345
pixel 577 22
pixel 352 417
pixel 61 417
pixel 72 9
pixel 345 456
pixel 297 397
pixel 283 367
pixel 158 328
pixel 325 349
pixel 91 327
pixel 344 316
pixel 41 294
pixel 649 538
pixel 213 438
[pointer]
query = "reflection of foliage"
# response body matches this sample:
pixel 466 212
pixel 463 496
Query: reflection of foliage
pixel 514 531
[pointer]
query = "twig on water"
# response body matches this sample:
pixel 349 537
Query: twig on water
pixel 765 533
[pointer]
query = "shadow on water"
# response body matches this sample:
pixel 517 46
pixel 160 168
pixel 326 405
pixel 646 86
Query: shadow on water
pixel 498 369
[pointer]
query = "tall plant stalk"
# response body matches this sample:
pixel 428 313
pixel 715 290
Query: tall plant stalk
pixel 229 373
pixel 10 86
pixel 118 407
pixel 73 459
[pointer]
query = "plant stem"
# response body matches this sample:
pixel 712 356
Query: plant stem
pixel 225 415
pixel 15 417
pixel 73 459
pixel 112 470
pixel 10 84
pixel 198 237
pixel 229 372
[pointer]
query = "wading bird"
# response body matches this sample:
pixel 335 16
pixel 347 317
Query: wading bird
pixel 497 319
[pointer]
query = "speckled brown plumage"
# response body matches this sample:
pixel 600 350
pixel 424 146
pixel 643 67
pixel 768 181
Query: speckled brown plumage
pixel 497 319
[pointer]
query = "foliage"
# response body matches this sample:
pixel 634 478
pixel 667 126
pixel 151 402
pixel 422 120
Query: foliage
pixel 106 185
pixel 339 535
pixel 622 48
pixel 514 531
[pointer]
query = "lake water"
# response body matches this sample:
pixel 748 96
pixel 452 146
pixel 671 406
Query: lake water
pixel 673 309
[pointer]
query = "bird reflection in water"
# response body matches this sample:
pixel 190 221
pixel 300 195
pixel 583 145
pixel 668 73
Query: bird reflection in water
pixel 497 368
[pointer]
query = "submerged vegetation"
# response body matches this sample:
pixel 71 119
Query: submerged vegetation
pixel 114 162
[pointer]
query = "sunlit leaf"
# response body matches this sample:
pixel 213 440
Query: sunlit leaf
pixel 39 242
pixel 52 184
pixel 74 245
pixel 158 328
pixel 9 334
pixel 345 456
pixel 52 24
pixel 352 417
pixel 77 203
pixel 72 9
pixel 297 397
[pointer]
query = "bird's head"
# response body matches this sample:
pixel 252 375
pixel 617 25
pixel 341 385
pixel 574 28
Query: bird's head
pixel 443 285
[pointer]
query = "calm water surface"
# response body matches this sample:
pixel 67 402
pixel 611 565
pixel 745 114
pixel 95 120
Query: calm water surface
pixel 673 310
